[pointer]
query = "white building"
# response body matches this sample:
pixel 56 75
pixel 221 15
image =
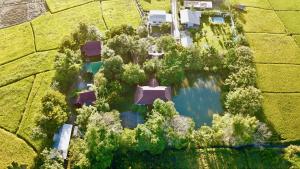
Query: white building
pixel 62 139
pixel 198 4
pixel 158 17
pixel 190 18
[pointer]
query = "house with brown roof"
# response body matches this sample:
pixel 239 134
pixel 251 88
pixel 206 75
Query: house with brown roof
pixel 91 49
pixel 85 98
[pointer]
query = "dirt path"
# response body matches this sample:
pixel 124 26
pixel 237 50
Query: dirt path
pixel 13 12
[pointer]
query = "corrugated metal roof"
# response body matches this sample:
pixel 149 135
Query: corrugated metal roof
pixel 62 139
pixel 190 17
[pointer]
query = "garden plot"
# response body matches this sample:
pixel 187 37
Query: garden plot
pixel 291 20
pixel 274 48
pixel 285 5
pixel 260 20
pixel 26 66
pixel 12 103
pixel 278 77
pixel 16 41
pixel 50 29
pixel 58 5
pixel 156 5
pixel 14 149
pixel 254 3
pixel 118 12
pixel 40 86
pixel 282 111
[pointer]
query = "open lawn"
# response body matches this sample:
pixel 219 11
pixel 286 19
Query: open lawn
pixel 118 12
pixel 214 35
pixel 253 3
pixel 291 20
pixel 278 77
pixel 297 38
pixel 15 42
pixel 40 86
pixel 285 4
pixel 260 20
pixel 274 48
pixel 156 5
pixel 282 111
pixel 50 29
pixel 12 103
pixel 58 5
pixel 219 158
pixel 14 149
pixel 26 66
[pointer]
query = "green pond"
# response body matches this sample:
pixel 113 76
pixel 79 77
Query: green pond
pixel 199 100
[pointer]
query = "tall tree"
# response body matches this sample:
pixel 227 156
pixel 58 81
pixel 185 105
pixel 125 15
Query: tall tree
pixel 113 68
pixel 133 74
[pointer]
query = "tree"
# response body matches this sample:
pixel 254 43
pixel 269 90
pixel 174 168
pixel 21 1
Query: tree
pixel 180 132
pixel 67 65
pixel 51 159
pixel 102 138
pixel 291 153
pixel 204 136
pixel 166 43
pixel 245 76
pixel 133 74
pixel 77 156
pixel 83 116
pixel 211 59
pixel 246 101
pixel 113 68
pixel 165 28
pixel 166 109
pixel 128 140
pixel 106 52
pixel 142 31
pixel 15 165
pixel 118 30
pixel 54 112
pixel 152 66
pixel 192 59
pixel 150 136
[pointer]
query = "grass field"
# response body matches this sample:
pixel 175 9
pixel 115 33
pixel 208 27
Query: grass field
pixel 297 38
pixel 14 149
pixel 58 5
pixel 12 103
pixel 16 42
pixel 282 111
pixel 253 3
pixel 50 29
pixel 260 20
pixel 285 5
pixel 278 78
pixel 118 12
pixel 26 66
pixel 274 48
pixel 40 86
pixel 156 5
pixel 291 20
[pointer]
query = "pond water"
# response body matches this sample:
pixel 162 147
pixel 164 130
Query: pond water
pixel 199 100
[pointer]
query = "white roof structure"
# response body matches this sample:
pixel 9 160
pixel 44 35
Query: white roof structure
pixel 62 139
pixel 186 40
pixel 198 4
pixel 190 17
pixel 159 16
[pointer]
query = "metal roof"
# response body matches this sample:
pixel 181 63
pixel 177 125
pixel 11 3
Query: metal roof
pixel 62 139
pixel 190 17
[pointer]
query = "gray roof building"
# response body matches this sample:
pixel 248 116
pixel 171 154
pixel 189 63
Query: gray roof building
pixel 190 18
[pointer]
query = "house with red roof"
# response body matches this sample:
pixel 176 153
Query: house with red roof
pixel 91 49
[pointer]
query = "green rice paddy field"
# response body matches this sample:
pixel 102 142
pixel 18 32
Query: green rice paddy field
pixel 272 28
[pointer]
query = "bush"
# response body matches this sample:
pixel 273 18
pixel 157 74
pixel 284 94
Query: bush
pixel 133 74
pixel 246 76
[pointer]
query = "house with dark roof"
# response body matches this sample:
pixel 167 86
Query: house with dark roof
pixel 62 138
pixel 85 98
pixel 91 49
pixel 146 95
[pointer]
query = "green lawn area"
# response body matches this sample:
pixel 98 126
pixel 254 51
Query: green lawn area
pixel 12 103
pixel 297 38
pixel 118 12
pixel 216 35
pixel 274 48
pixel 27 66
pixel 58 5
pixel 282 111
pixel 285 5
pixel 14 149
pixel 253 3
pixel 16 41
pixel 40 86
pixel 156 5
pixel 50 29
pixel 260 20
pixel 291 20
pixel 218 158
pixel 278 77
